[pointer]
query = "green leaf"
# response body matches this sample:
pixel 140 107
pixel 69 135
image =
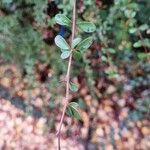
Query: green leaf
pixel 76 41
pixel 73 87
pixel 112 74
pixel 77 55
pixel 104 58
pixel 62 20
pixel 61 42
pixel 146 42
pixel 86 26
pixel 142 56
pixel 85 44
pixel 129 13
pixel 52 103
pixel 72 110
pixel 104 50
pixel 111 50
pixel 81 103
pixel 65 54
pixel 7 1
pixel 133 30
pixel 143 27
pixel 63 50
pixel 137 44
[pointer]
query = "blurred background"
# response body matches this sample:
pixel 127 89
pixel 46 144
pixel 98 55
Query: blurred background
pixel 113 76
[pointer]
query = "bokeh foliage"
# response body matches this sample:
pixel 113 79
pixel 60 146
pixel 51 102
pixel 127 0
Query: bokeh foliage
pixel 27 30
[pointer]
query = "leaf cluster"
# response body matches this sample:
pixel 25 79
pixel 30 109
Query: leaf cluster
pixel 76 48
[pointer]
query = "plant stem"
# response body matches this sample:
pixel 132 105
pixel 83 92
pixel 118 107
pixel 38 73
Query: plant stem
pixel 142 39
pixel 67 75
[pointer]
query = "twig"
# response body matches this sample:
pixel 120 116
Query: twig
pixel 67 76
pixel 142 39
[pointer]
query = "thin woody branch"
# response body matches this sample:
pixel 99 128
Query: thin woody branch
pixel 67 76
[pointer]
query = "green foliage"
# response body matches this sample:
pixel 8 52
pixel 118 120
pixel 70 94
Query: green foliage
pixel 73 87
pixel 61 43
pixel 85 44
pixel 86 26
pixel 77 55
pixel 65 54
pixel 143 56
pixel 67 50
pixel 121 35
pixel 20 41
pixel 77 43
pixel 72 110
pixel 61 19
pixel 6 2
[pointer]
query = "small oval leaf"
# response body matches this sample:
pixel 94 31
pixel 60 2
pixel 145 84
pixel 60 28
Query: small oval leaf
pixel 111 50
pixel 73 87
pixel 85 44
pixel 133 30
pixel 143 27
pixel 143 56
pixel 72 110
pixel 137 44
pixel 62 20
pixel 61 42
pixel 104 58
pixel 65 54
pixel 86 26
pixel 76 41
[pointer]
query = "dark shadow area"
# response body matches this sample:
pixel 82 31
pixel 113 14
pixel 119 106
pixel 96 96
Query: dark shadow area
pixel 19 102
